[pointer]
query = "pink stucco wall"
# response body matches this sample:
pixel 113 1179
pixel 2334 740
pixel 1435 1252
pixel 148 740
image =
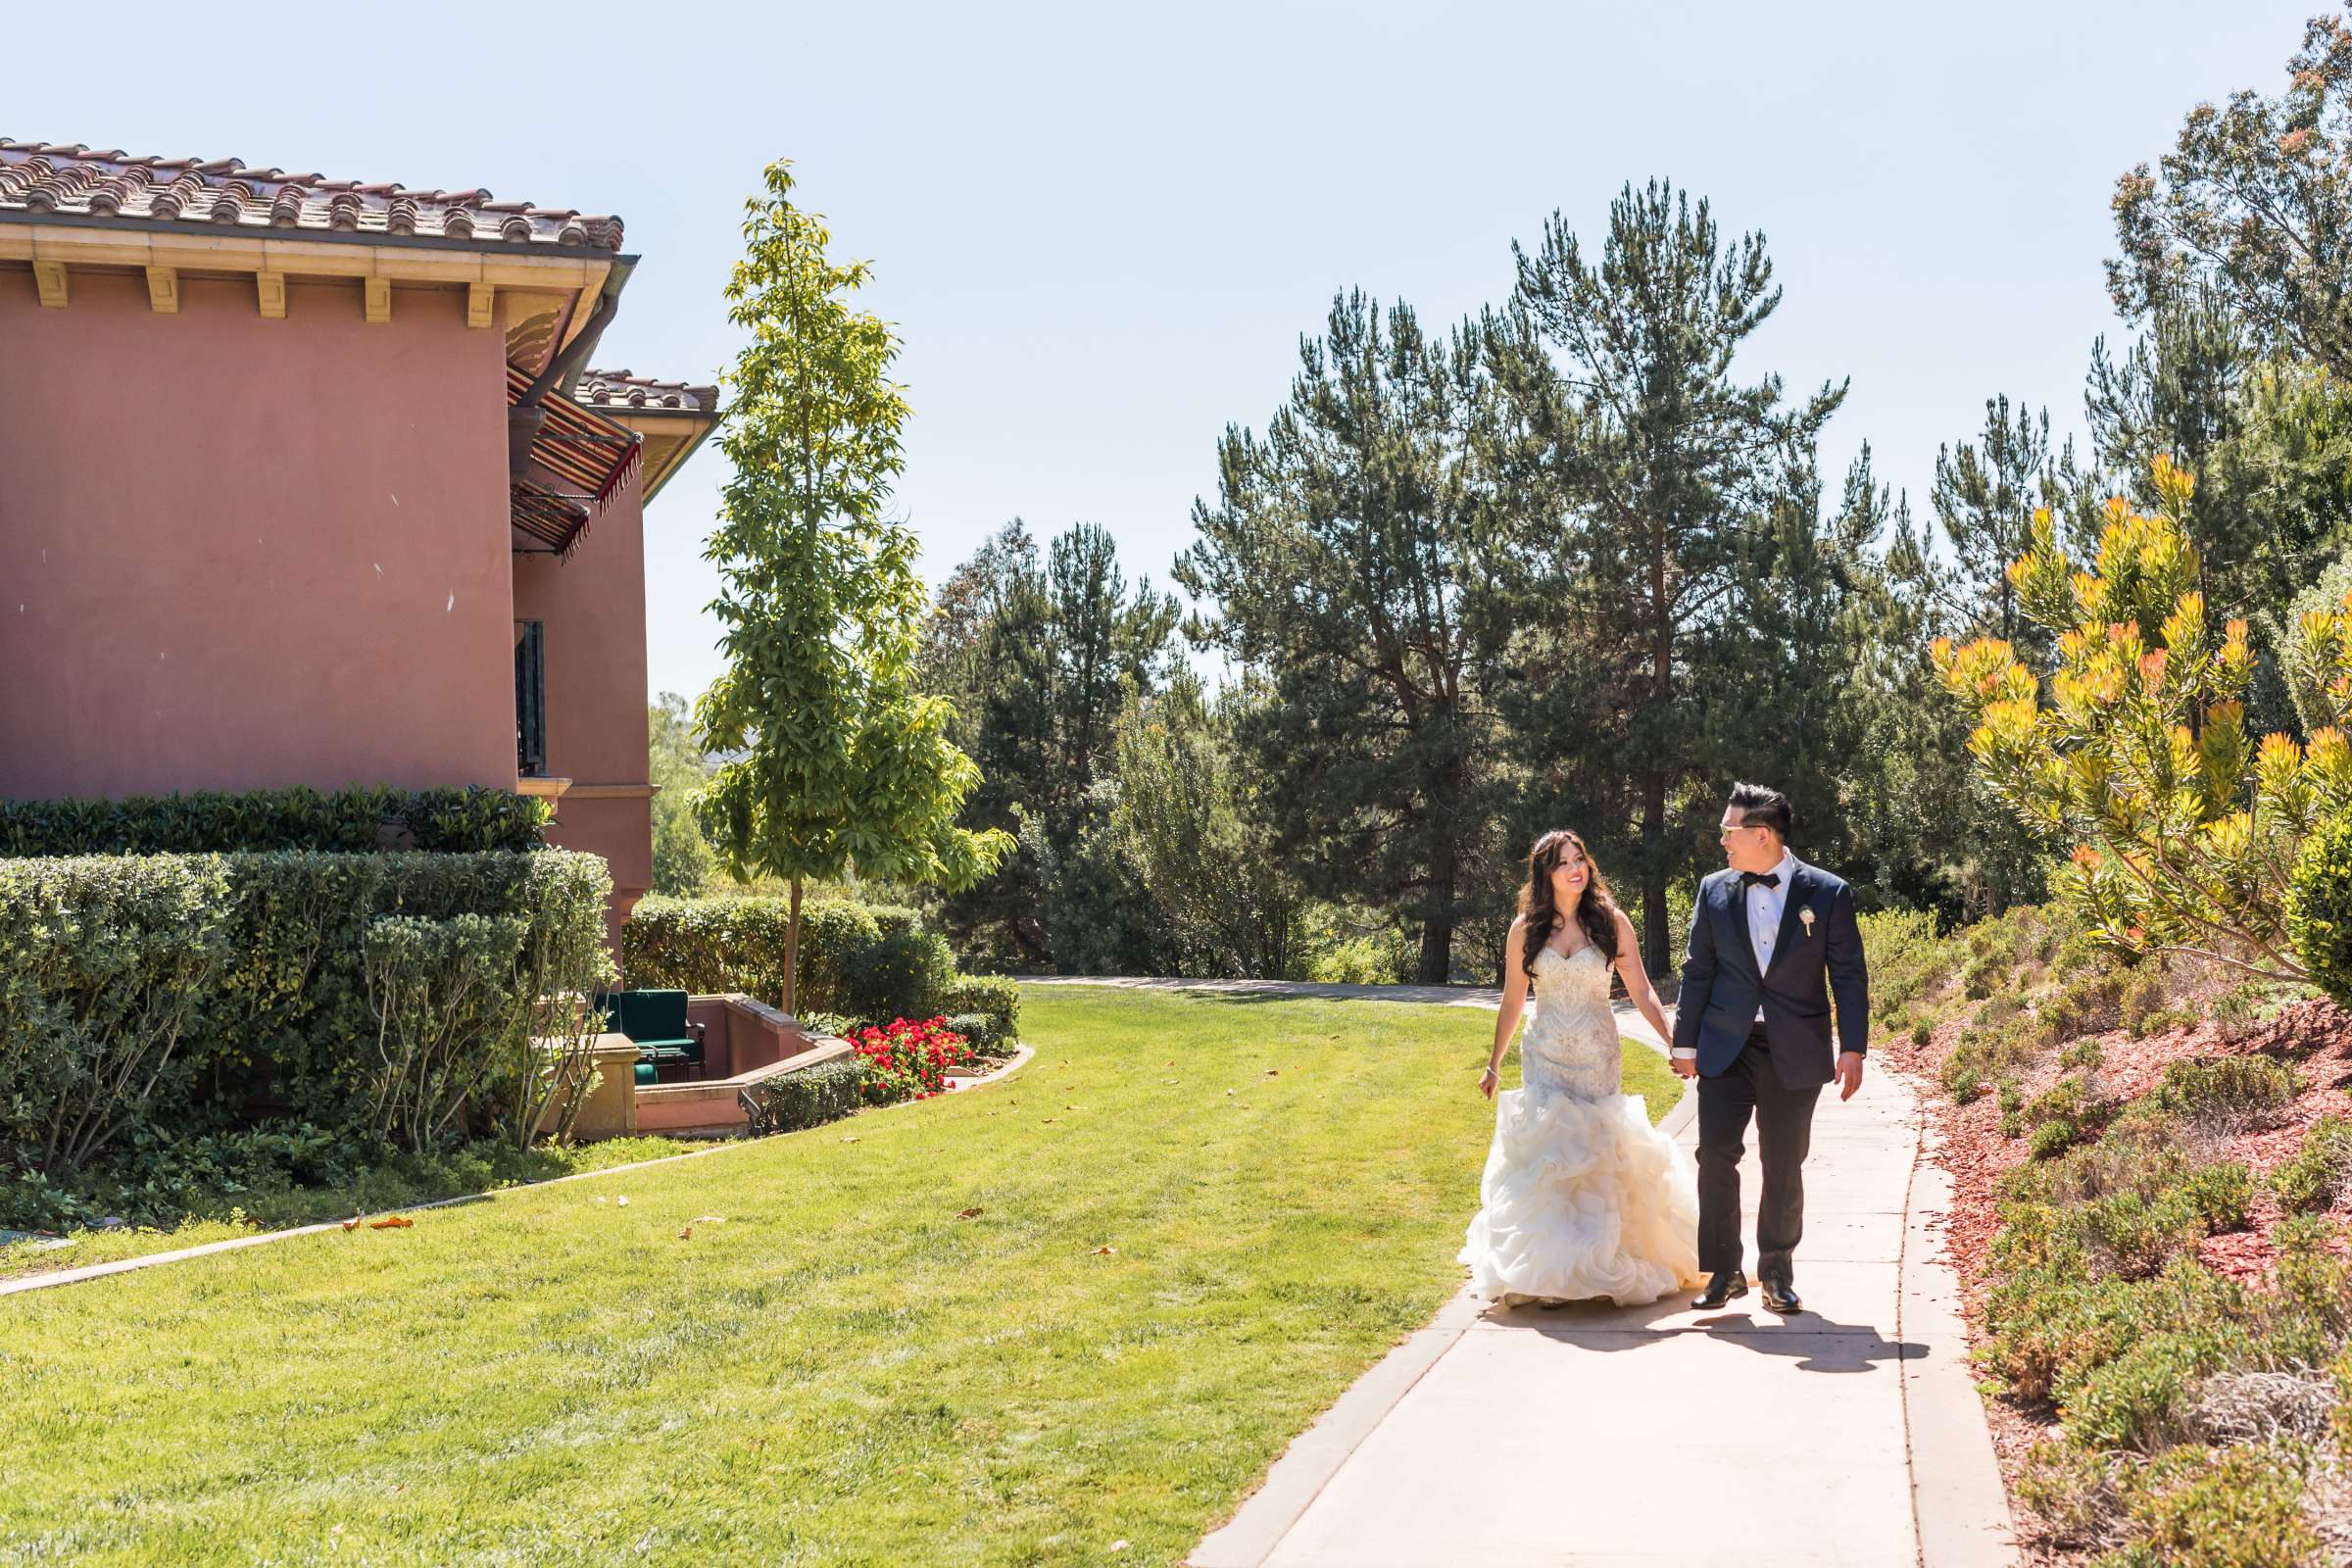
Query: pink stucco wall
pixel 239 553
pixel 592 607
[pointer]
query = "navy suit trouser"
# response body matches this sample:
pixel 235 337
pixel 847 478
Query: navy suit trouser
pixel 1750 1090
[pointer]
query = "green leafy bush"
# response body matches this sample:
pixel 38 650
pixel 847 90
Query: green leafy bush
pixel 105 965
pixel 808 1097
pixel 996 995
pixel 2315 1176
pixel 271 976
pixel 902 973
pixel 2226 1093
pixel 2319 909
pixel 2234 1508
pixel 2137 1400
pixel 471 820
pixel 737 943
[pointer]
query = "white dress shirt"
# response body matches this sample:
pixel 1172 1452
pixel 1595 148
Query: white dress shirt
pixel 1765 906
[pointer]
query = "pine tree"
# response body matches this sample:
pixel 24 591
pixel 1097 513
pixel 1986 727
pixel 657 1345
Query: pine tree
pixel 1657 463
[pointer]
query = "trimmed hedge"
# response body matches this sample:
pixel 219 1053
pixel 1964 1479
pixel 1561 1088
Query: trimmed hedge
pixel 396 996
pixel 871 962
pixel 810 1098
pixel 469 820
pixel 737 943
pixel 995 995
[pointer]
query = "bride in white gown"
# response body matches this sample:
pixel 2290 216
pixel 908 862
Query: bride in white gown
pixel 1581 1196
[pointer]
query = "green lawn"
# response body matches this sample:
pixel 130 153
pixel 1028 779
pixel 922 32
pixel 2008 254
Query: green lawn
pixel 838 1369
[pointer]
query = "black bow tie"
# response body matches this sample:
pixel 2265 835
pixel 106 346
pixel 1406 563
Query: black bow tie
pixel 1771 879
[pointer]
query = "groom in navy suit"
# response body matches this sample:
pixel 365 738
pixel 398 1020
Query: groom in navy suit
pixel 1772 938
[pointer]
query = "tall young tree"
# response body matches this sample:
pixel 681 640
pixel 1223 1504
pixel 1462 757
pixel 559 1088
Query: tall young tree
pixel 840 759
pixel 1348 557
pixel 1660 461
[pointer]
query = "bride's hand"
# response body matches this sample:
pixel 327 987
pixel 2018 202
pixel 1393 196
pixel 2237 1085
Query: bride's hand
pixel 1486 1081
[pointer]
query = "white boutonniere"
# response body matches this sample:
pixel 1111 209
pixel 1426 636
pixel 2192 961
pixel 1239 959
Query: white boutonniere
pixel 1806 914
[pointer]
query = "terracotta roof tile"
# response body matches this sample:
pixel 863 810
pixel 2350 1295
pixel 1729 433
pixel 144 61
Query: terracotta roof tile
pixel 622 389
pixel 76 182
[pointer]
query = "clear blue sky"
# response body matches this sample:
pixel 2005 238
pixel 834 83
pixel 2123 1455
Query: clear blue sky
pixel 1101 228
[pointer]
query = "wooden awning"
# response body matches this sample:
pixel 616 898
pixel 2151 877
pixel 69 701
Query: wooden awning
pixel 578 459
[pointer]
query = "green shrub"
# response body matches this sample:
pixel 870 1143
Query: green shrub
pixel 902 973
pixel 840 1025
pixel 808 1097
pixel 1922 1032
pixel 273 973
pixel 2085 1053
pixel 2234 1508
pixel 2222 1195
pixel 737 943
pixel 471 820
pixel 2054 1138
pixel 2143 999
pixel 2141 1235
pixel 2226 1093
pixel 2089 1003
pixel 978 1029
pixel 1961 1080
pixel 2053 1318
pixel 2315 1176
pixel 996 995
pixel 2072 1491
pixel 2138 1399
pixel 2319 909
pixel 104 964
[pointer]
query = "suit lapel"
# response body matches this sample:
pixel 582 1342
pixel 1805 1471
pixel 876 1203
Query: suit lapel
pixel 1733 931
pixel 1789 905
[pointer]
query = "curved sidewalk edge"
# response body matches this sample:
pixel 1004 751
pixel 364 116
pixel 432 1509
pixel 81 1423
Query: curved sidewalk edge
pixel 1021 1056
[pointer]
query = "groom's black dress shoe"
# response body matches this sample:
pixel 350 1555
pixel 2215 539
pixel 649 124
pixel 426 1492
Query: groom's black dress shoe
pixel 1725 1285
pixel 1781 1297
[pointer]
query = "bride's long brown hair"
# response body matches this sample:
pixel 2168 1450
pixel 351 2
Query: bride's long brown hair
pixel 1596 911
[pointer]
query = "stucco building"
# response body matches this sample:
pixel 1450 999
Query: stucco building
pixel 307 481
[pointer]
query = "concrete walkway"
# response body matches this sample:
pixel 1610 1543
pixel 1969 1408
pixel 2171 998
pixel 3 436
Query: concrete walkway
pixel 1849 1434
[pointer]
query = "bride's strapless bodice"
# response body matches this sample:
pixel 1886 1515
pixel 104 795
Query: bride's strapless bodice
pixel 1581 1197
pixel 1570 1045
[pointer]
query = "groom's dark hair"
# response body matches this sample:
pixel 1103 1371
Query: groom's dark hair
pixel 1761 806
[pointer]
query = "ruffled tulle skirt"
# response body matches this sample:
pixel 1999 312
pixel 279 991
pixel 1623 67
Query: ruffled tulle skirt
pixel 1583 1198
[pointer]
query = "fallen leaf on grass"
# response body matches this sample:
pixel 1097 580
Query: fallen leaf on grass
pixel 852 1138
pixel 352 1224
pixel 1273 1072
pixel 1105 1251
pixel 1118 1545
pixel 390 1222
pixel 686 1235
pixel 1171 1080
pixel 969 1214
pixel 622 1201
pixel 707 1219
pixel 1229 1091
pixel 1050 1120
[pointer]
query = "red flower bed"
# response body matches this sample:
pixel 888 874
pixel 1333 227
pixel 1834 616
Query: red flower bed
pixel 907 1058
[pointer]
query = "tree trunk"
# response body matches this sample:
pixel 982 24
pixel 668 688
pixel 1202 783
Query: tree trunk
pixel 1653 873
pixel 1437 918
pixel 792 952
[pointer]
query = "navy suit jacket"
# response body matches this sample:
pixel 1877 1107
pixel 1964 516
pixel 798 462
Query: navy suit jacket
pixel 1722 988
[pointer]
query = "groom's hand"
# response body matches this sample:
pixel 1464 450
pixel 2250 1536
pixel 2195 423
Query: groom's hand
pixel 1684 1066
pixel 1849 1074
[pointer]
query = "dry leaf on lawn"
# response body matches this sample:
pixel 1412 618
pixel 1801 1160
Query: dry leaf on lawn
pixel 969 1214
pixel 352 1224
pixel 1105 1252
pixel 391 1222
pixel 622 1201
